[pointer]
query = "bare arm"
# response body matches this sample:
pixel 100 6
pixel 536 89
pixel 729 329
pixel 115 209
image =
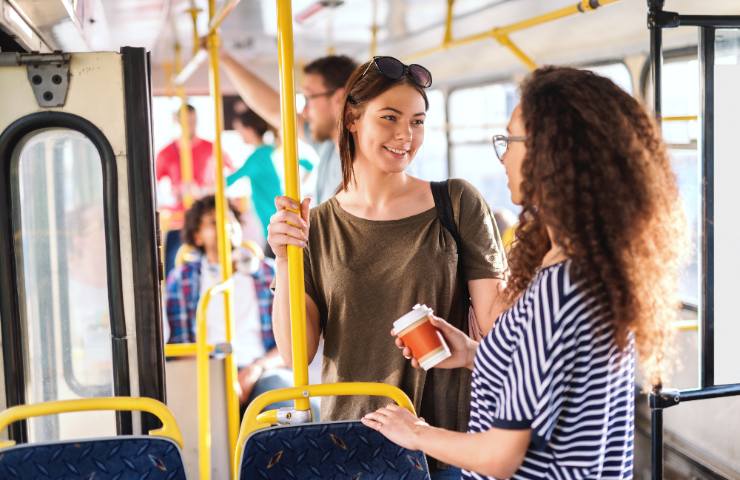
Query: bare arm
pixel 281 317
pixel 257 94
pixel 497 452
pixel 289 228
pixel 488 301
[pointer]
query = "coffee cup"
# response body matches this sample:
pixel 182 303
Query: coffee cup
pixel 426 343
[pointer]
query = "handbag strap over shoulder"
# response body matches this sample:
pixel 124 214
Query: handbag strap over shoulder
pixel 443 204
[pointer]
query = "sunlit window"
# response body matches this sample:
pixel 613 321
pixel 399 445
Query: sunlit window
pixel 431 160
pixel 60 246
pixel 476 114
pixel 616 72
pixel 681 105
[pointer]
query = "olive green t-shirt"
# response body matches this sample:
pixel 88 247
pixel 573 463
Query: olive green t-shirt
pixel 364 274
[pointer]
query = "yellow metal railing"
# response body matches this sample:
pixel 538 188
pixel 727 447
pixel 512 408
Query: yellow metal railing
pixel 374 31
pixel 203 377
pixel 680 118
pixel 224 242
pixel 174 350
pixel 501 34
pixel 201 350
pixel 292 189
pixel 686 325
pixel 255 419
pixel 186 153
pixel 169 427
pixel 215 19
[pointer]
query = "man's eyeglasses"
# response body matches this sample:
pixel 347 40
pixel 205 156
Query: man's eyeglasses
pixel 314 96
pixel 394 69
pixel 501 144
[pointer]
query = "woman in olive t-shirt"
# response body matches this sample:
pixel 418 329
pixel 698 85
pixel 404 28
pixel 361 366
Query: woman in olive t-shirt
pixel 377 248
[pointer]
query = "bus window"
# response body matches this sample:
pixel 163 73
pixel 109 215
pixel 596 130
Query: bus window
pixel 60 249
pixel 476 114
pixel 681 97
pixel 431 159
pixel 617 72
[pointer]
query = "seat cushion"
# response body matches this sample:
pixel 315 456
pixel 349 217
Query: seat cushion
pixel 346 450
pixel 119 458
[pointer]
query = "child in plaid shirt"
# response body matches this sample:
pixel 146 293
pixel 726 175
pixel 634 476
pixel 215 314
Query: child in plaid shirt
pixel 260 366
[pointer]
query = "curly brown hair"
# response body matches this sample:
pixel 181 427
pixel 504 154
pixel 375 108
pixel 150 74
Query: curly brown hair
pixel 598 175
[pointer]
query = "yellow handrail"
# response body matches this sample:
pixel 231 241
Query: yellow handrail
pixel 169 429
pixel 374 31
pixel 501 34
pixel 203 376
pixel 253 418
pixel 686 325
pixel 297 293
pixel 448 22
pixel 194 11
pixel 224 242
pixel 172 350
pixel 217 17
pixel 186 153
pixel 200 55
pixel 680 118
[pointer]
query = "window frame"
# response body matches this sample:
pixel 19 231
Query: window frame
pixel 12 328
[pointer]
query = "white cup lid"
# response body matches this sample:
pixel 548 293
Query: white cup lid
pixel 416 313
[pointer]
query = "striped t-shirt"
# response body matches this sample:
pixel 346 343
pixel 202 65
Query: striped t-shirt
pixel 551 365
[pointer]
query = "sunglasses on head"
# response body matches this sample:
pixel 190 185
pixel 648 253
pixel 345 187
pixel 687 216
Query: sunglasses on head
pixel 393 69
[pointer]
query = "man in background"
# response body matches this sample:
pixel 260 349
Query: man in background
pixel 322 85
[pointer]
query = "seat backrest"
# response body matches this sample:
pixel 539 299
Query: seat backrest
pixel 108 458
pixel 327 450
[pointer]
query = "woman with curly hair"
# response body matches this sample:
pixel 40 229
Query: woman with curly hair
pixel 594 271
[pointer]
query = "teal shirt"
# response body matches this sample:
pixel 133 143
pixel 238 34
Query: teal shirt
pixel 265 182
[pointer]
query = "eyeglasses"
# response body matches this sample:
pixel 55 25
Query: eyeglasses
pixel 394 69
pixel 314 96
pixel 501 144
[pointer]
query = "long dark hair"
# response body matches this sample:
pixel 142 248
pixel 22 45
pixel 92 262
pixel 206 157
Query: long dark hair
pixel 598 172
pixel 365 83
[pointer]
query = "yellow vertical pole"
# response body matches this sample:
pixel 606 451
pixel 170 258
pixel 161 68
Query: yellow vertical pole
pixel 224 242
pixel 448 23
pixel 186 154
pixel 194 11
pixel 203 384
pixel 374 31
pixel 295 254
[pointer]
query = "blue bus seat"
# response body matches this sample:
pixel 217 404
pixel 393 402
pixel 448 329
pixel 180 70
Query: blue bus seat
pixel 113 458
pixel 329 450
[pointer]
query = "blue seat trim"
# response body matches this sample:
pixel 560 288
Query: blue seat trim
pixel 111 458
pixel 329 450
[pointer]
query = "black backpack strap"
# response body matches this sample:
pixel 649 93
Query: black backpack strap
pixel 443 204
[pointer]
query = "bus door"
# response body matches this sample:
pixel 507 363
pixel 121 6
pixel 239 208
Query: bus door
pixel 79 271
pixel 719 61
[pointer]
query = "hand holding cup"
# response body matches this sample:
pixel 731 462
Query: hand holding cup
pixel 461 347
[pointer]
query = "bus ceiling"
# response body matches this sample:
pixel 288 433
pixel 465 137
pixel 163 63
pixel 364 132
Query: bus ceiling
pixel 354 27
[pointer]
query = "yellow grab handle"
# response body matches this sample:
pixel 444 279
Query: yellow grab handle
pixel 169 429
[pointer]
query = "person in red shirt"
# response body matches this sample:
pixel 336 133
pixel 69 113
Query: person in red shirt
pixel 203 181
pixel 168 163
